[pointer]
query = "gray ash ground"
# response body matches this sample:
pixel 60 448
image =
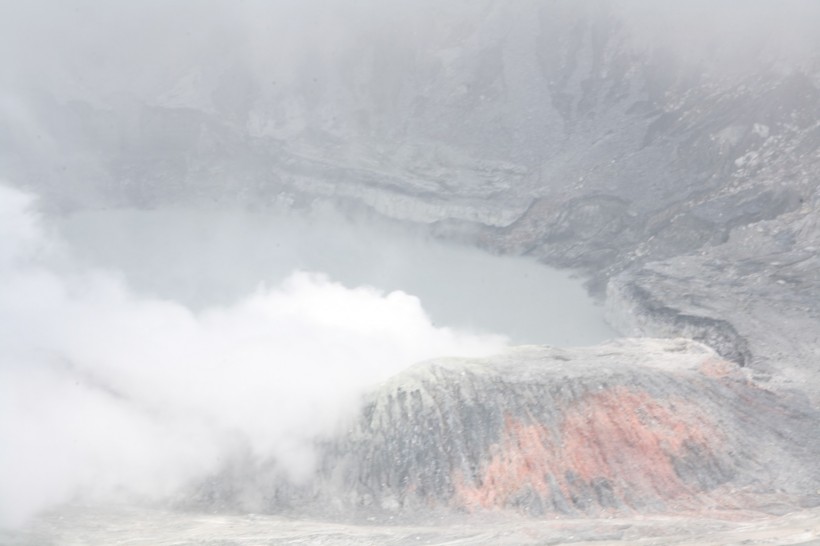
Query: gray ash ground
pixel 138 527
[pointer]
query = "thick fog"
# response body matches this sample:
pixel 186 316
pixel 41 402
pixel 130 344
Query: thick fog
pixel 86 48
pixel 218 55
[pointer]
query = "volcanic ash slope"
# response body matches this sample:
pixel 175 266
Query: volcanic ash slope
pixel 647 425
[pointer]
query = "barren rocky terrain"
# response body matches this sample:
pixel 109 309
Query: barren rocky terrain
pixel 678 173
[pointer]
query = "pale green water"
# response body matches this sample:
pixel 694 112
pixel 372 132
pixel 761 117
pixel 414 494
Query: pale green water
pixel 203 258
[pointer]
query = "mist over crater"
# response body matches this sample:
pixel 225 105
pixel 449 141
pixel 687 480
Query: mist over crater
pixel 278 257
pixel 207 258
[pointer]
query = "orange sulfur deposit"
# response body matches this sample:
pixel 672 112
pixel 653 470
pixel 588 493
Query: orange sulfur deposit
pixel 614 443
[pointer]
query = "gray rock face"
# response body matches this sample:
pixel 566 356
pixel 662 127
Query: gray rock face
pixel 760 288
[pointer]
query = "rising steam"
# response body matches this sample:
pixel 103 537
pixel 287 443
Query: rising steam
pixel 102 391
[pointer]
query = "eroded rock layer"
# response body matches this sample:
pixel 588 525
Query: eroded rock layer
pixel 633 424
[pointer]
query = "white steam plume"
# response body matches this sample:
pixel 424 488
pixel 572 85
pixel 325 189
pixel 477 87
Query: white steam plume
pixel 102 391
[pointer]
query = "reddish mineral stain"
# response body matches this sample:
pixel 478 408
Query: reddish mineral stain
pixel 621 435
